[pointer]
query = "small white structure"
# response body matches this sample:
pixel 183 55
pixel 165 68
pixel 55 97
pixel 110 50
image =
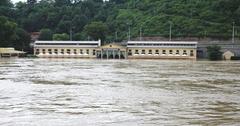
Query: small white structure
pixel 228 55
pixel 10 52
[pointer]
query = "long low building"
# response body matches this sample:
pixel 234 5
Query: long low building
pixel 66 49
pixel 162 50
pixel 133 50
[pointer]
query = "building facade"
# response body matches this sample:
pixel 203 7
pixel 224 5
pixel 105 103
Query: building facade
pixel 133 50
pixel 162 50
pixel 66 49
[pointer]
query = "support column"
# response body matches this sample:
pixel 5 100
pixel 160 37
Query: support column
pixel 107 53
pixel 113 54
pixel 125 54
pixel 119 54
pixel 101 54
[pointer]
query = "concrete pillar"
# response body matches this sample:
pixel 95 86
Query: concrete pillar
pixel 125 54
pixel 107 53
pixel 119 54
pixel 113 54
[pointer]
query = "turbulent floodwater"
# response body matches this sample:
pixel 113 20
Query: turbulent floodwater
pixel 73 92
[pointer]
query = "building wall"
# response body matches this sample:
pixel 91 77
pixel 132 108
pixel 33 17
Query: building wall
pixel 65 52
pixel 134 50
pixel 150 53
pixel 169 53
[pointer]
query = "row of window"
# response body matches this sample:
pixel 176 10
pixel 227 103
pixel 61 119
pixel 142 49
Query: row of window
pixel 152 44
pixel 62 51
pixel 171 52
pixel 88 44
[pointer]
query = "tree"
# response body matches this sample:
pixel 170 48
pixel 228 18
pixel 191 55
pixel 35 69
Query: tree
pixel 22 41
pixel 7 31
pixel 59 37
pixel 214 52
pixel 79 36
pixel 97 30
pixel 63 27
pixel 79 22
pixel 62 2
pixel 46 34
pixel 5 3
pixel 6 8
pixel 31 2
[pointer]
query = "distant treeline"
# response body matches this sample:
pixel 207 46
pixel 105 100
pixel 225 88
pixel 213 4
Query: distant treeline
pixel 112 20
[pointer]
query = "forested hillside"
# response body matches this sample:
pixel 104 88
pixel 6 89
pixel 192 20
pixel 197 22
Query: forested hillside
pixel 112 20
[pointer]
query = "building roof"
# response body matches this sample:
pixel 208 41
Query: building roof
pixel 10 51
pixel 67 42
pixel 165 42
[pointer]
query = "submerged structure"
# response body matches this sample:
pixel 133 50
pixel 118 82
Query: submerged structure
pixel 132 50
pixel 10 52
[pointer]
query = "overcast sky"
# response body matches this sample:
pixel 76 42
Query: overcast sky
pixel 14 1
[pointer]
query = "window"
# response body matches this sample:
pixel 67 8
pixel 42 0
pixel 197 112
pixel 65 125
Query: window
pixel 184 52
pixel 62 51
pixel 75 51
pixel 56 51
pixel 136 52
pixel 87 51
pixel 164 52
pixel 177 52
pixel 49 51
pixel 143 51
pixel 157 52
pixel 68 51
pixel 191 53
pixel 37 51
pixel 150 52
pixel 129 52
pixel 81 51
pixel 43 51
pixel 170 52
pixel 94 52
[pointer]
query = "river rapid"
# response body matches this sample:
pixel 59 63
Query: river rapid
pixel 77 92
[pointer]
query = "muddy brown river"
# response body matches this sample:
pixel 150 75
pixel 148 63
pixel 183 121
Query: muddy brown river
pixel 75 92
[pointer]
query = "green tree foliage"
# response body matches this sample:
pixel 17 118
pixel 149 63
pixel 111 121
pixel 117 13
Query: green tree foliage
pixel 22 40
pixel 214 52
pixel 190 18
pixel 6 8
pixel 194 18
pixel 12 36
pixel 7 31
pixel 96 30
pixel 62 2
pixel 31 2
pixel 60 37
pixel 79 36
pixel 46 34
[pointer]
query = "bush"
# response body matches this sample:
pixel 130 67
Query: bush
pixel 214 52
pixel 235 58
pixel 61 37
pixel 46 34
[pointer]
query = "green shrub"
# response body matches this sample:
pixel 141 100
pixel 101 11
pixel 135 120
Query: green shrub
pixel 235 58
pixel 214 52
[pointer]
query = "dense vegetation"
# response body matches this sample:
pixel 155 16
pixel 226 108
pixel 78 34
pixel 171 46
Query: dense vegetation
pixel 111 20
pixel 214 52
